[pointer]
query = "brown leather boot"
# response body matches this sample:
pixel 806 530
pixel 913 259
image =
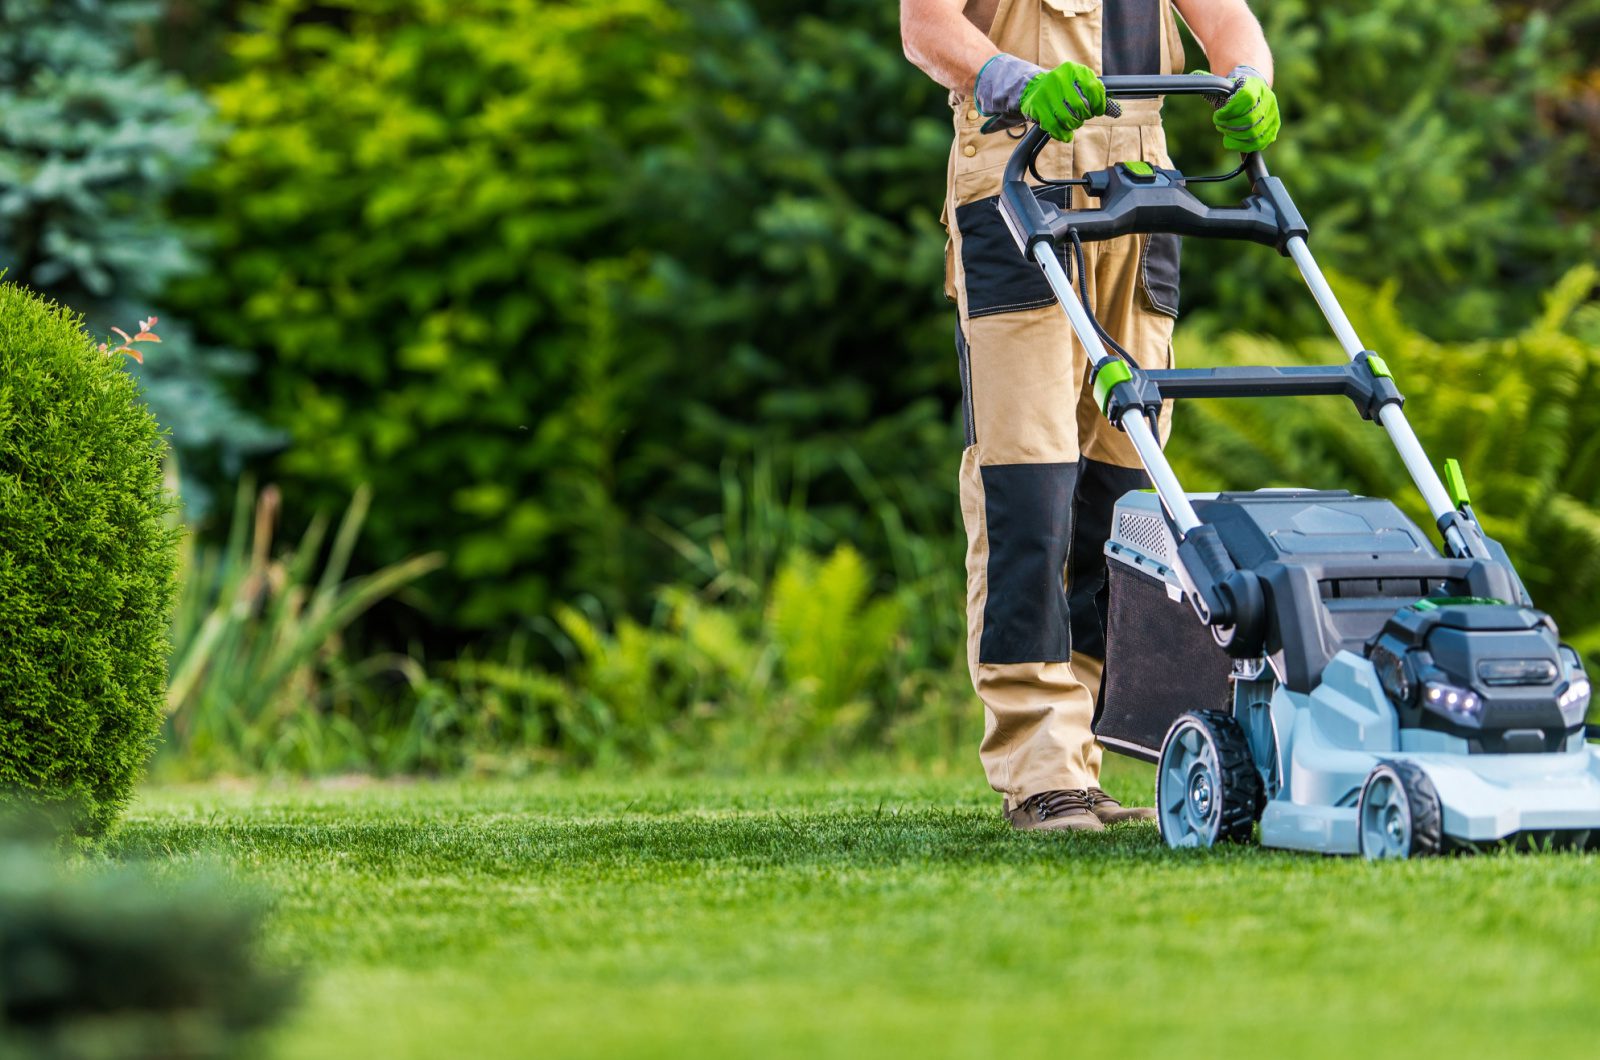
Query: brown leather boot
pixel 1110 811
pixel 1055 811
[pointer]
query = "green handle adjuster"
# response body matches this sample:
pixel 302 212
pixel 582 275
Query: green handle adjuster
pixel 1455 483
pixel 1108 375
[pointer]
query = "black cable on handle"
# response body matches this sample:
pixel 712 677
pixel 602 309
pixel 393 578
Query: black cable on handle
pixel 1088 308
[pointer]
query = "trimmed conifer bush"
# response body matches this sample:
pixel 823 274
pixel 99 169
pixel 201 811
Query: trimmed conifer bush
pixel 87 568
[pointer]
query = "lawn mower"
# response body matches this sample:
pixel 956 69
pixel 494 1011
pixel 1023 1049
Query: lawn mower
pixel 1306 659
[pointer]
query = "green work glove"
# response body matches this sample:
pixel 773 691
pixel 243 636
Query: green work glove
pixel 1062 99
pixel 1248 119
pixel 1009 90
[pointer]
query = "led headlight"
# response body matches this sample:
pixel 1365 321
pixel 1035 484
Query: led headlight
pixel 1452 699
pixel 1574 699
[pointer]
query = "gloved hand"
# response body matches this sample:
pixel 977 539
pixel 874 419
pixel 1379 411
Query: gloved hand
pixel 1060 100
pixel 1248 120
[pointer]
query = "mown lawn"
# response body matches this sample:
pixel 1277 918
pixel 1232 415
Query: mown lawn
pixel 887 917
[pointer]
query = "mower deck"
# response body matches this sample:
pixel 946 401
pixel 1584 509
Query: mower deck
pixel 1340 732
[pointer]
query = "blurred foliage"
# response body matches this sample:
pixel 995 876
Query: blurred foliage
pixel 505 267
pixel 788 688
pixel 92 143
pixel 87 561
pixel 1448 146
pixel 1521 413
pixel 818 670
pixel 114 964
pixel 408 208
pixel 259 676
pixel 776 658
pixel 541 272
pixel 190 36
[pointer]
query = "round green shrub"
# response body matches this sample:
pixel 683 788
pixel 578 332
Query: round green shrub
pixel 88 561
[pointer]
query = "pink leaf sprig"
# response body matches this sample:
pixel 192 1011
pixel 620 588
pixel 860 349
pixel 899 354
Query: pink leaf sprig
pixel 146 333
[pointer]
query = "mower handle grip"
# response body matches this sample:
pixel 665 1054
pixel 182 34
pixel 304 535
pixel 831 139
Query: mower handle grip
pixel 1121 85
pixel 1166 85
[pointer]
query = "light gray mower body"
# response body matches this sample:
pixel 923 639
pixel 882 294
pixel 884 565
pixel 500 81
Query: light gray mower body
pixel 1317 749
pixel 1331 740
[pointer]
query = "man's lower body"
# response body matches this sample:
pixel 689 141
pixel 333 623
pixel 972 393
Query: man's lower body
pixel 1039 478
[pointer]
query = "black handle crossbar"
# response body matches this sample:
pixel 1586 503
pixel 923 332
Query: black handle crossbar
pixel 1140 199
pixel 1364 380
pixel 1333 380
pixel 1166 85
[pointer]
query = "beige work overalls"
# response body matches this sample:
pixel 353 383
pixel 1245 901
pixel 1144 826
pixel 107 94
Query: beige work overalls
pixel 1042 467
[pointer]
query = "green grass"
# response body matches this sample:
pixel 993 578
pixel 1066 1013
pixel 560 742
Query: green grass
pixel 894 917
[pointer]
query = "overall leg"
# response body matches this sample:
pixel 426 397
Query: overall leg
pixel 1018 478
pixel 1024 478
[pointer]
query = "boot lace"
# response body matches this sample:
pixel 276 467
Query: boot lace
pixel 1048 804
pixel 1100 798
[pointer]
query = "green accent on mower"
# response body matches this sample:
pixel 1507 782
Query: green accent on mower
pixel 1455 483
pixel 1433 603
pixel 1379 366
pixel 1108 376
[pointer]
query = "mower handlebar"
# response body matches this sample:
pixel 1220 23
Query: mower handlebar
pixel 1166 85
pixel 1122 85
pixel 1146 201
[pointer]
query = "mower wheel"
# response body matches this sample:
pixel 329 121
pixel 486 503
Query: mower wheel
pixel 1207 788
pixel 1399 814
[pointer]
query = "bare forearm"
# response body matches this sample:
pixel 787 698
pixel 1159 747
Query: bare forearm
pixel 943 43
pixel 1230 34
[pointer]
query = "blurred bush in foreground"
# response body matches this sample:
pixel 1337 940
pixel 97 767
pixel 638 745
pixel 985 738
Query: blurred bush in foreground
pixel 112 964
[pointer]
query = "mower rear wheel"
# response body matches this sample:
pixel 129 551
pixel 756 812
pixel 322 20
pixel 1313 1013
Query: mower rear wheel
pixel 1207 788
pixel 1399 814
